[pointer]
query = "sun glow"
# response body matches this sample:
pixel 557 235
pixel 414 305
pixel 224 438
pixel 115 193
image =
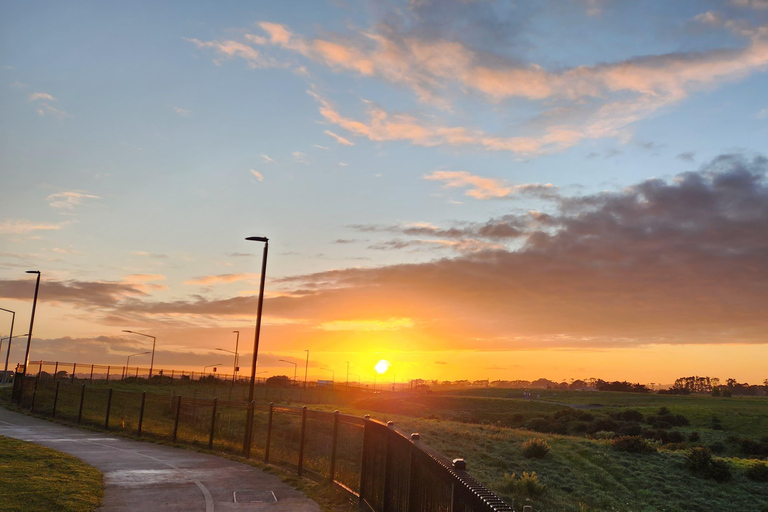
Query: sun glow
pixel 382 366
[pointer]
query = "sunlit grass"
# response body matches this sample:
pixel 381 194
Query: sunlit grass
pixel 35 478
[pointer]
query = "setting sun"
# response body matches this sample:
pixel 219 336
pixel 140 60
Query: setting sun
pixel 382 366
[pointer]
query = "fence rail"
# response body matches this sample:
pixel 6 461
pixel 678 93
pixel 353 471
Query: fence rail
pixel 386 469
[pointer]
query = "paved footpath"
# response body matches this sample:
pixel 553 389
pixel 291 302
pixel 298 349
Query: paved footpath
pixel 148 477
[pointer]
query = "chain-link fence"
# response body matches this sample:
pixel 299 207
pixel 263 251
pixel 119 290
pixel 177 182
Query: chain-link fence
pixel 384 468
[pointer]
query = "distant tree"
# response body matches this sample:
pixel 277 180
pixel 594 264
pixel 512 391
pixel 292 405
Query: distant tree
pixel 279 380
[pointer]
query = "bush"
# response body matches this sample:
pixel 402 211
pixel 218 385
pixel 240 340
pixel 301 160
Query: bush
pixel 752 447
pixel 758 472
pixel 699 461
pixel 675 437
pixel 693 437
pixel 629 415
pixel 717 447
pixel 602 424
pixel 537 448
pixel 719 471
pixel 716 425
pixel 632 444
pixel 631 429
pixel 537 424
pixel 525 486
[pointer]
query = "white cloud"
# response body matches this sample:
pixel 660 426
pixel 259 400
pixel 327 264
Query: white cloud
pixel 41 96
pixel 257 174
pixel 300 157
pixel 20 227
pixel 762 114
pixel 182 111
pixel 68 200
pixel 339 138
pixel 267 158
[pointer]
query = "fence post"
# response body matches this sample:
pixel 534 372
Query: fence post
pixel 55 400
pixel 248 430
pixel 414 483
pixel 90 381
pixel 388 454
pixel 176 421
pixel 34 393
pixel 55 371
pixel 301 439
pixel 80 410
pixel 74 367
pixel 109 407
pixel 364 462
pixel 141 412
pixel 269 433
pixel 213 424
pixel 333 446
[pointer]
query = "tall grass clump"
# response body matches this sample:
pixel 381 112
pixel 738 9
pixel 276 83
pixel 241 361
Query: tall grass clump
pixel 758 472
pixel 700 462
pixel 536 448
pixel 526 485
pixel 632 444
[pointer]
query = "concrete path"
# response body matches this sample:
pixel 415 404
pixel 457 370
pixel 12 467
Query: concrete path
pixel 147 477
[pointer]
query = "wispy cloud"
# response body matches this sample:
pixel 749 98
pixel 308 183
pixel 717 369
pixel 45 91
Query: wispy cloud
pixel 300 157
pixel 182 111
pixel 150 254
pixel 257 175
pixel 488 188
pixel 68 200
pixel 267 158
pixel 339 139
pixel 35 96
pixel 389 324
pixel 20 227
pixel 222 279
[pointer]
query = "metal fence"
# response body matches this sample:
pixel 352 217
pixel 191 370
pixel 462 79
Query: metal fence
pixel 385 468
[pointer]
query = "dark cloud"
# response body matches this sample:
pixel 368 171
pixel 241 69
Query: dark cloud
pixel 688 156
pixel 663 261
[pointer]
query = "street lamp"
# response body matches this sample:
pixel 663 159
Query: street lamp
pixel 128 360
pixel 333 373
pixel 358 378
pixel 10 340
pixel 295 365
pixel 258 312
pixel 249 418
pixel 237 356
pixel 154 340
pixel 211 366
pixel 8 353
pixel 347 384
pixel 31 319
pixel 306 365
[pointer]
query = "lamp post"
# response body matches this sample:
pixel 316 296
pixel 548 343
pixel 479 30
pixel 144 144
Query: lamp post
pixel 347 384
pixel 237 356
pixel 358 378
pixel 128 359
pixel 154 340
pixel 249 418
pixel 295 365
pixel 211 366
pixel 333 373
pixel 306 365
pixel 31 319
pixel 259 311
pixel 10 339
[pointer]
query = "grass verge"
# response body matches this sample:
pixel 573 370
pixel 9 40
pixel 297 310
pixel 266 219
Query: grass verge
pixel 35 478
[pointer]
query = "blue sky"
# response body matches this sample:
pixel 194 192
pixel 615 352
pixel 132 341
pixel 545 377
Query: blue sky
pixel 142 142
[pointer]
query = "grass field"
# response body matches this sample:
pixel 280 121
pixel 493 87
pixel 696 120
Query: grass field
pixel 34 478
pixel 582 472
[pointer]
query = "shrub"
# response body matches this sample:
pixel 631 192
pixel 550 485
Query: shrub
pixel 629 415
pixel 698 459
pixel 717 447
pixel 675 437
pixel 716 425
pixel 537 448
pixel 632 444
pixel 604 434
pixel 631 429
pixel 693 437
pixel 525 486
pixel 605 424
pixel 719 471
pixel 758 472
pixel 537 424
pixel 752 447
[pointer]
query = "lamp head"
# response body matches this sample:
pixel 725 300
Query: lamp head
pixel 124 330
pixel 33 271
pixel 258 239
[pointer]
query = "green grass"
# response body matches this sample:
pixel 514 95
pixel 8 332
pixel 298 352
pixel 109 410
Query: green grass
pixel 35 478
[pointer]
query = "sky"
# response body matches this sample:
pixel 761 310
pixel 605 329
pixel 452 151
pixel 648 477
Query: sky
pixel 468 189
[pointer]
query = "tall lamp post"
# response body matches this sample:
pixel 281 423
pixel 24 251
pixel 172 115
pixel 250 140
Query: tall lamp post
pixel 333 373
pixel 10 339
pixel 31 319
pixel 347 384
pixel 237 356
pixel 249 420
pixel 306 365
pixel 295 365
pixel 128 359
pixel 154 340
